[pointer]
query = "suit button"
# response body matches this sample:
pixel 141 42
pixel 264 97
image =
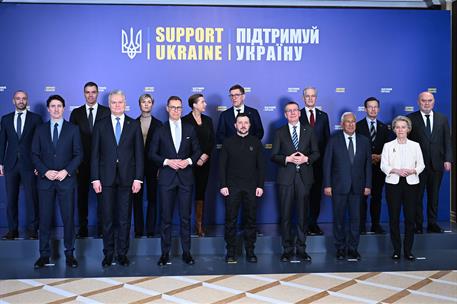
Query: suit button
pixel 117 161
pixel 55 155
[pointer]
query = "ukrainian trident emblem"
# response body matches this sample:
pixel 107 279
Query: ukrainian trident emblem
pixel 130 45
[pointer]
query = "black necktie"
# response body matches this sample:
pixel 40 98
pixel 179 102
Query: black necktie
pixel 372 131
pixel 55 135
pixel 428 127
pixel 238 111
pixel 351 150
pixel 19 125
pixel 91 119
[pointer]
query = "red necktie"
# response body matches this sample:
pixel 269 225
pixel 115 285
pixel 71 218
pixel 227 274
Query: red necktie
pixel 311 118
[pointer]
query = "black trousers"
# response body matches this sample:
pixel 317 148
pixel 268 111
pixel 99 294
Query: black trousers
pixel 236 198
pixel 346 204
pixel 151 211
pixel 116 209
pixel 430 181
pixel 378 180
pixel 398 196
pixel 296 194
pixel 84 186
pixel 169 194
pixel 13 179
pixel 47 210
pixel 316 193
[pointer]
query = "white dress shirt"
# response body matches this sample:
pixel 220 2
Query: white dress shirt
pixel 425 119
pixel 114 122
pixel 24 114
pixel 94 111
pixel 346 138
pixel 235 112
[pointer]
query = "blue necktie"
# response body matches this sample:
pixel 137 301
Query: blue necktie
pixel 19 125
pixel 295 137
pixel 351 150
pixel 177 141
pixel 117 133
pixel 55 135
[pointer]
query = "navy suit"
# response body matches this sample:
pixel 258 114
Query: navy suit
pixel 175 183
pixel 322 133
pixel 348 182
pixel 436 149
pixel 226 125
pixel 116 167
pixel 17 165
pixel 67 154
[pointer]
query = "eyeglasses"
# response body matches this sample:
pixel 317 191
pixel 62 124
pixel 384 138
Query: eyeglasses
pixel 235 95
pixel 173 108
pixel 292 111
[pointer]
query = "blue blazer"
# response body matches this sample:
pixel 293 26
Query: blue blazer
pixel 338 171
pixel 163 148
pixel 226 125
pixel 13 149
pixel 67 155
pixel 321 127
pixel 108 158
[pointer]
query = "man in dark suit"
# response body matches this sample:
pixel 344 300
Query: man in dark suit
pixel 226 125
pixel 117 164
pixel 347 178
pixel 175 150
pixel 86 117
pixel 56 155
pixel 431 130
pixel 16 133
pixel 378 134
pixel 149 124
pixel 295 150
pixel 319 122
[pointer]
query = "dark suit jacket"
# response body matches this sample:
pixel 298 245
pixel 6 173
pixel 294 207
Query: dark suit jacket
pixel 67 155
pixel 383 134
pixel 150 168
pixel 283 147
pixel 163 148
pixel 321 127
pixel 79 117
pixel 437 148
pixel 226 125
pixel 108 158
pixel 13 149
pixel 338 171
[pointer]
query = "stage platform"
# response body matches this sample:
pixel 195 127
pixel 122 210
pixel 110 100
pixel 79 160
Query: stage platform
pixel 433 252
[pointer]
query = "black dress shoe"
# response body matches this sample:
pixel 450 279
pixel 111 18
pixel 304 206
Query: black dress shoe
pixel 71 261
pixel 353 255
pixel 164 260
pixel 11 235
pixel 251 257
pixel 418 230
pixel 41 262
pixel 123 260
pixel 285 257
pixel 377 229
pixel 107 261
pixel 363 230
pixel 230 259
pixel 434 228
pixel 304 256
pixel 150 235
pixel 395 256
pixel 82 233
pixel 410 256
pixel 33 235
pixel 340 254
pixel 314 230
pixel 138 235
pixel 187 258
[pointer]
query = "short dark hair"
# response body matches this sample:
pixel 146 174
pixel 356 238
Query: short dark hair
pixel 55 97
pixel 237 87
pixel 242 115
pixel 90 84
pixel 291 103
pixel 370 99
pixel 193 99
pixel 173 98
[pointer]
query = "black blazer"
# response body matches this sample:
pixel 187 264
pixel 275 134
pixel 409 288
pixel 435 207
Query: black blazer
pixel 283 147
pixel 79 117
pixel 437 148
pixel 66 155
pixel 163 148
pixel 13 149
pixel 107 156
pixel 226 125
pixel 321 127
pixel 383 134
pixel 205 132
pixel 338 171
pixel 150 167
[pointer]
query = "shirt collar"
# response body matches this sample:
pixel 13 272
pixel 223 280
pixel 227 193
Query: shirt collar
pixel 95 106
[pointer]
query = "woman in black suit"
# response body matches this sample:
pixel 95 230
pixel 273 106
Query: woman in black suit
pixel 205 133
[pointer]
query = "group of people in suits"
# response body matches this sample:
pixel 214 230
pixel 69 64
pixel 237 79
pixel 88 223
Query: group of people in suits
pixel 103 149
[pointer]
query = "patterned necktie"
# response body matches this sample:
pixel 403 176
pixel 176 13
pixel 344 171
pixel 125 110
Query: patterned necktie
pixel 428 127
pixel 295 137
pixel 19 125
pixel 117 133
pixel 55 135
pixel 351 150
pixel 177 139
pixel 311 118
pixel 91 119
pixel 372 131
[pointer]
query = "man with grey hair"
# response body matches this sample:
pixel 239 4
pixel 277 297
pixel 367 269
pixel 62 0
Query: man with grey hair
pixel 347 178
pixel 117 173
pixel 319 122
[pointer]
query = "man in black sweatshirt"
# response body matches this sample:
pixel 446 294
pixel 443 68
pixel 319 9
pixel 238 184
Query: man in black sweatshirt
pixel 241 168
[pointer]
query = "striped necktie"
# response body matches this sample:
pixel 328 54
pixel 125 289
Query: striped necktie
pixel 295 137
pixel 372 131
